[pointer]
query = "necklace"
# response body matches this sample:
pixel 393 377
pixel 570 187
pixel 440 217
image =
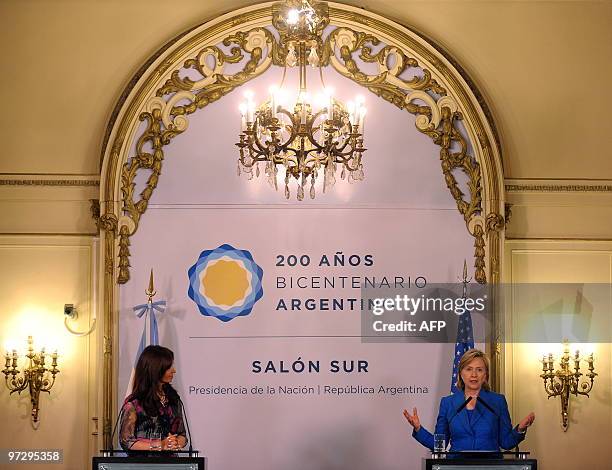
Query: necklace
pixel 162 399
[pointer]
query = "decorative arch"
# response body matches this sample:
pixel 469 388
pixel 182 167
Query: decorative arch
pixel 437 92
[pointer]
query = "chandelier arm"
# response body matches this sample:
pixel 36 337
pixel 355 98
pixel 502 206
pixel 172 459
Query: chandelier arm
pixel 348 165
pixel 292 158
pixel 321 76
pixel 283 77
pixel 340 150
pixel 316 146
pixel 308 158
pixel 250 150
pixel 294 129
pixel 351 140
pixel 311 127
pixel 340 160
pixel 256 149
pixel 255 140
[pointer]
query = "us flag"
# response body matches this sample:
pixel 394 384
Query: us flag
pixel 465 341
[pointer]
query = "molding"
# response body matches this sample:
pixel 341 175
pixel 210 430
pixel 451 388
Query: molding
pixel 46 239
pixel 510 240
pixel 63 180
pixel 48 234
pixel 558 186
pixel 564 188
pixel 49 183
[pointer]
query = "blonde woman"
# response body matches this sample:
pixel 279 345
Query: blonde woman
pixel 475 418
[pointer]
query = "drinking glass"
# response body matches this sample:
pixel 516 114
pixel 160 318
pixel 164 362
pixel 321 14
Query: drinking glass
pixel 439 443
pixel 155 440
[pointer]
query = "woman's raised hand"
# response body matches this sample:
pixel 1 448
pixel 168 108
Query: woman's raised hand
pixel 526 422
pixel 413 419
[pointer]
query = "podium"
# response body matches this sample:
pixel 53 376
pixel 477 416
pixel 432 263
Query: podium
pixel 145 460
pixel 471 460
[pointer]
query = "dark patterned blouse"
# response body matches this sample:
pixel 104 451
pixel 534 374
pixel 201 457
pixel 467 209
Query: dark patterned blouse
pixel 136 424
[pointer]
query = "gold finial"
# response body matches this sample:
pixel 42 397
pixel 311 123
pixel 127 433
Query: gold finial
pixel 465 281
pixel 151 290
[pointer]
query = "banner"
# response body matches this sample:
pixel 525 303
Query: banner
pixel 264 318
pixel 264 295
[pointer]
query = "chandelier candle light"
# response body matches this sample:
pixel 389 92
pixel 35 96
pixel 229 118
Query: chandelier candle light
pixel 309 138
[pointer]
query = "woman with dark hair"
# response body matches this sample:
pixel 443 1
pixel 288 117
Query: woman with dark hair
pixel 474 418
pixel 152 417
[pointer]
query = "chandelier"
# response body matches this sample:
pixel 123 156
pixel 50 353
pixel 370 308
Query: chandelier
pixel 310 137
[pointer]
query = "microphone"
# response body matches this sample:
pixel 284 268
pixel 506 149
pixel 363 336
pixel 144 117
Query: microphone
pixel 115 429
pixel 187 426
pixel 463 405
pixel 487 406
pixel 492 410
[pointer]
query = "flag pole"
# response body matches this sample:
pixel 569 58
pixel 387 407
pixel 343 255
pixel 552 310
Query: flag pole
pixel 151 290
pixel 465 279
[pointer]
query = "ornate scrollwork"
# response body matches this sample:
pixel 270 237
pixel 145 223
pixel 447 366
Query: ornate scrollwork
pixel 94 207
pixel 479 255
pixel 495 222
pixel 124 255
pixel 166 112
pixel 436 117
pixel 392 63
pixel 400 80
pixel 108 222
pixel 445 136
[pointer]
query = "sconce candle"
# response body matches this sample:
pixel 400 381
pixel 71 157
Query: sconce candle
pixel 35 376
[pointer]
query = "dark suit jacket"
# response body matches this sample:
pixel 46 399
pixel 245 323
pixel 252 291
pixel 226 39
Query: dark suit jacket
pixel 487 430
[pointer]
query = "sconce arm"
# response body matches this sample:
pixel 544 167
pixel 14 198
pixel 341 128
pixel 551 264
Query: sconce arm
pixel 584 388
pixel 48 385
pixel 552 387
pixel 79 333
pixel 15 384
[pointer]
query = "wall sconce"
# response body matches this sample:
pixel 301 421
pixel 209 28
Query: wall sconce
pixel 36 376
pixel 563 381
pixel 71 313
